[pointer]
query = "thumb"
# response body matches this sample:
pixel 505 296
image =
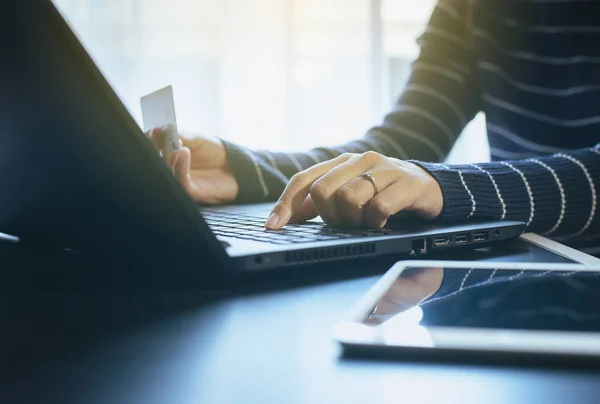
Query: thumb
pixel 181 166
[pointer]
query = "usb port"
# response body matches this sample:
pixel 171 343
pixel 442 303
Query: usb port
pixel 482 236
pixel 443 240
pixel 461 238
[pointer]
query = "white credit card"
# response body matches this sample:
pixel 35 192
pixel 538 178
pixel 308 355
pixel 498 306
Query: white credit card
pixel 158 111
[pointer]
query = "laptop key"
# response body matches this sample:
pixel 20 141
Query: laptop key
pixel 306 231
pixel 242 236
pixel 228 232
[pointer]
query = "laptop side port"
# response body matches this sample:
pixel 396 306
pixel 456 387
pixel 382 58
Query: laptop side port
pixel 441 240
pixel 419 246
pixel 461 238
pixel 480 236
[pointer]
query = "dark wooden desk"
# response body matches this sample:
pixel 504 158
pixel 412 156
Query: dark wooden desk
pixel 269 347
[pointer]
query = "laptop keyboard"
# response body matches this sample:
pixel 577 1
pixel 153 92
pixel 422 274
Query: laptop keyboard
pixel 247 227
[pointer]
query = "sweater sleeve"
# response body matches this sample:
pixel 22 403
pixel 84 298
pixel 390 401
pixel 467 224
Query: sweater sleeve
pixel 440 98
pixel 554 195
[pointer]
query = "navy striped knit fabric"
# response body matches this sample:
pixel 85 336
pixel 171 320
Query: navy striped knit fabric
pixel 533 67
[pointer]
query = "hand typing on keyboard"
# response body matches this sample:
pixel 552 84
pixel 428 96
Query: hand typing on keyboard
pixel 358 190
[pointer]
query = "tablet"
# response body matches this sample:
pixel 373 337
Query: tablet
pixel 482 308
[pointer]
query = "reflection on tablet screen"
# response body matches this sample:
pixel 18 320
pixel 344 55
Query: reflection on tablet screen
pixel 487 298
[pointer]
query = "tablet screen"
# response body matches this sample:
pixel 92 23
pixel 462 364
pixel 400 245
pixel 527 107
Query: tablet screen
pixel 566 300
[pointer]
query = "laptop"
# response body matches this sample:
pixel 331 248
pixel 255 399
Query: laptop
pixel 78 173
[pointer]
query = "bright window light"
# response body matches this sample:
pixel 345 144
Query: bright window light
pixel 276 74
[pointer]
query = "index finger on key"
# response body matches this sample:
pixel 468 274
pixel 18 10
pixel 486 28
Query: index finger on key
pixel 297 190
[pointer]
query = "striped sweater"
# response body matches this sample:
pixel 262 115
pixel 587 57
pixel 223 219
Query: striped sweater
pixel 533 68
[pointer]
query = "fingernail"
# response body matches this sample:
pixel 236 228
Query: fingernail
pixel 272 221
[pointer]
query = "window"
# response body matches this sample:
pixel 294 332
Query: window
pixel 277 74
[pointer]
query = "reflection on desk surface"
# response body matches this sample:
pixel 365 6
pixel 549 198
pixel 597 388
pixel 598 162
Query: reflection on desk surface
pixel 491 298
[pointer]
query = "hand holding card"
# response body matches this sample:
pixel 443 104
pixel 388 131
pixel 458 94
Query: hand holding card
pixel 200 164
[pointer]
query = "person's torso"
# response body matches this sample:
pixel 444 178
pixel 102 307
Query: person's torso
pixel 538 68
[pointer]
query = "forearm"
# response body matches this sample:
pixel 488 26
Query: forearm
pixel 555 195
